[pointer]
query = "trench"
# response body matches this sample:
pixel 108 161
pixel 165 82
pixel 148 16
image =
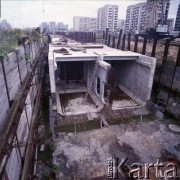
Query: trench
pixel 44 158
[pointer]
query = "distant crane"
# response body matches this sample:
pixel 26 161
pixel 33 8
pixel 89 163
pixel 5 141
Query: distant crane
pixel 156 18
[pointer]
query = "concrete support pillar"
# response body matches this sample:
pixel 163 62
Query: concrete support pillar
pixel 102 90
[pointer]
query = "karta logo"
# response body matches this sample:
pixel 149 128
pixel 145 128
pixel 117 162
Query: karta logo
pixel 119 170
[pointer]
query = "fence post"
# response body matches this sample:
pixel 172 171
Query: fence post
pixel 113 43
pixel 109 40
pixel 104 35
pixel 25 54
pixel 144 45
pixel 91 37
pixel 129 42
pixel 107 29
pixel 163 61
pixel 119 39
pixel 94 37
pixel 78 35
pixel 85 37
pixel 174 73
pixel 124 41
pixel 136 43
pixel 154 47
pixel 5 79
pixel 17 59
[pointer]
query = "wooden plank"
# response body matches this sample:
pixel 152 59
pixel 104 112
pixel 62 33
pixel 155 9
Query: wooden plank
pixel 129 42
pixel 107 30
pixel 136 43
pixel 113 44
pixel 119 39
pixel 154 47
pixel 144 45
pixel 124 41
pixel 5 79
pixel 109 40
pixel 104 35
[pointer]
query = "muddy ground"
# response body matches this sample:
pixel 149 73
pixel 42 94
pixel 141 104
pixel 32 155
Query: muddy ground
pixel 84 155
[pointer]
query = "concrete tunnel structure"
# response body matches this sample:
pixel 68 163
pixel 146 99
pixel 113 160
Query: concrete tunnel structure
pixel 72 68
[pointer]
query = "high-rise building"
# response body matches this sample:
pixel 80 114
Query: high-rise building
pixel 44 27
pixel 5 25
pixel 157 13
pixel 52 26
pixel 107 17
pixel 146 16
pixel 136 17
pixel 81 23
pixel 99 19
pixel 61 26
pixel 177 23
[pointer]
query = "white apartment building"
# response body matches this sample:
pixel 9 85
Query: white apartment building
pixel 61 26
pixel 146 16
pixel 52 26
pixel 81 23
pixel 136 17
pixel 107 17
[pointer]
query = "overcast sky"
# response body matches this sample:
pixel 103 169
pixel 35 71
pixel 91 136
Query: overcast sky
pixel 30 13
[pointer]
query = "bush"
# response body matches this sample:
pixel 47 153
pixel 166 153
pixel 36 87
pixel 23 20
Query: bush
pixel 9 39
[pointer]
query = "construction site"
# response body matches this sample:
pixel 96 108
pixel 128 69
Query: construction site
pixel 85 79
pixel 68 104
pixel 100 101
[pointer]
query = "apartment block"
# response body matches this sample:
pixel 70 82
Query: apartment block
pixel 177 23
pixel 136 17
pixel 145 16
pixel 81 23
pixel 107 17
pixel 157 13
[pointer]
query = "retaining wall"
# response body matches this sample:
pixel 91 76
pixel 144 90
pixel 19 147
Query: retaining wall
pixel 16 66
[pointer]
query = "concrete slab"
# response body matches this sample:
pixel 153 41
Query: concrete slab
pixel 73 104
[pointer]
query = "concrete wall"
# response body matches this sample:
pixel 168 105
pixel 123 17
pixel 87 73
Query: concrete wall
pixel 14 76
pixel 14 164
pixel 102 75
pixel 136 77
